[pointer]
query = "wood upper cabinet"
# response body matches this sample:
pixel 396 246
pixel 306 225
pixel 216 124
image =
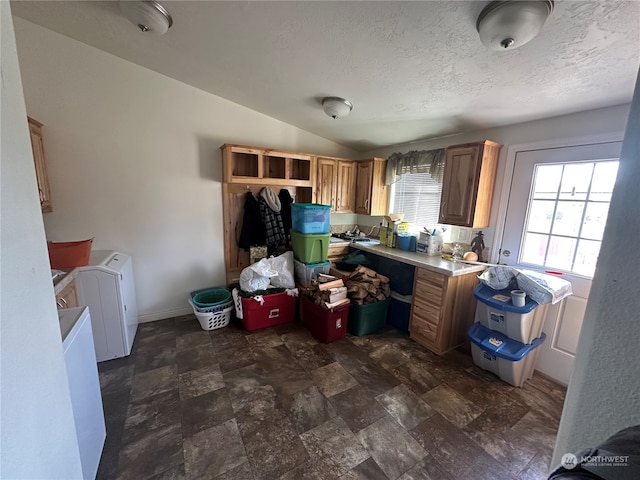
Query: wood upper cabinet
pixel 469 181
pixel 234 196
pixel 67 298
pixel 443 309
pixel 35 133
pixel 257 165
pixel 372 195
pixel 336 184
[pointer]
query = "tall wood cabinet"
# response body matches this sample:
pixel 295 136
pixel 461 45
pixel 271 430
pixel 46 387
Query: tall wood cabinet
pixel 469 181
pixel 336 182
pixel 443 309
pixel 35 133
pixel 249 169
pixel 372 195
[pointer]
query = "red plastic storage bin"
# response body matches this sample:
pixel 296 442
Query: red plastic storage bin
pixel 277 308
pixel 325 325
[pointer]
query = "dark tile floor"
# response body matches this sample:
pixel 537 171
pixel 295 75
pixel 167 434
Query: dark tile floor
pixel 276 404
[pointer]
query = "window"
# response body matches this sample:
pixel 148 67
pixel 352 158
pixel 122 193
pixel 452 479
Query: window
pixel 567 213
pixel 417 195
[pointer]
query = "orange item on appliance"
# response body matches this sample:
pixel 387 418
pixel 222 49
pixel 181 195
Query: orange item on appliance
pixel 69 254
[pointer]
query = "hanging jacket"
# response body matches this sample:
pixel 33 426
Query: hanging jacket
pixel 271 218
pixel 253 231
pixel 285 213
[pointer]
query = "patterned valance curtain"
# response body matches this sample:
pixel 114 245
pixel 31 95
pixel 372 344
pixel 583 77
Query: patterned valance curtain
pixel 423 161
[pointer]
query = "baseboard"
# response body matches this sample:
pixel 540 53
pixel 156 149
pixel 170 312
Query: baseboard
pixel 152 317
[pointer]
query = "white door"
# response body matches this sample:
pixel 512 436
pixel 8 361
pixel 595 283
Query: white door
pixel 557 210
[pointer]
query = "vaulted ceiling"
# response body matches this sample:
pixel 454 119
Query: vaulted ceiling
pixel 413 70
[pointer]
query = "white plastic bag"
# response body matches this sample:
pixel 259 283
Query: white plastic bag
pixel 283 264
pixel 257 276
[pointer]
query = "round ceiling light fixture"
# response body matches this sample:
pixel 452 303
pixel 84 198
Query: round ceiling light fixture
pixel 509 24
pixel 148 16
pixel 336 107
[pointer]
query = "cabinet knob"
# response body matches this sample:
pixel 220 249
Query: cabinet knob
pixel 366 204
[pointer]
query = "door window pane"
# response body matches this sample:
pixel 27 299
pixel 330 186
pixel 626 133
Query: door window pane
pixel 576 179
pixel 604 177
pixel 547 181
pixel 540 216
pixel 595 219
pixel 586 257
pixel 560 253
pixel 567 215
pixel 534 248
pixel 568 218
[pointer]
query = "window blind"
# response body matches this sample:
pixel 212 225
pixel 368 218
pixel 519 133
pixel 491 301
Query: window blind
pixel 416 195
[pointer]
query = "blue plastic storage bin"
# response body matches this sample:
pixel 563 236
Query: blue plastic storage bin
pixel 496 312
pixel 511 360
pixel 399 311
pixel 310 218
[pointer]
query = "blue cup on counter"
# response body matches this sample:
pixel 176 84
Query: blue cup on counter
pixel 405 241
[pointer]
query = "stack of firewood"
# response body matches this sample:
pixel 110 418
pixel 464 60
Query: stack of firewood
pixel 329 292
pixel 367 286
pixel 363 287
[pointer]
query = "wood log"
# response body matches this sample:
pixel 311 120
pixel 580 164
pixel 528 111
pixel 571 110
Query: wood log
pixel 365 270
pixel 381 297
pixel 383 279
pixel 332 284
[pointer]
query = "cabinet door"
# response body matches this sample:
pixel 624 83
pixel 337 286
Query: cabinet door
pixel 372 195
pixel 459 187
pixel 67 298
pixel 327 178
pixel 469 181
pixel 35 132
pixel 346 186
pixel 363 187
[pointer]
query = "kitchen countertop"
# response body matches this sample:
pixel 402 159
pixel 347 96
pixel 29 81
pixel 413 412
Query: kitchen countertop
pixel 61 282
pixel 434 263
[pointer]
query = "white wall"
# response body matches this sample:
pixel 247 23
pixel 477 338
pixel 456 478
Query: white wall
pixel 134 161
pixel 591 123
pixel 37 437
pixel 604 392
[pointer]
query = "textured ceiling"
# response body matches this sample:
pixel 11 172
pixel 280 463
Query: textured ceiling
pixel 413 70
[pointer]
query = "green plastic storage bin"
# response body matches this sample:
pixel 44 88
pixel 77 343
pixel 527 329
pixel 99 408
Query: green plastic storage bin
pixel 310 248
pixel 368 318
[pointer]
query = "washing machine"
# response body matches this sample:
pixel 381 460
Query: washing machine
pixel 106 286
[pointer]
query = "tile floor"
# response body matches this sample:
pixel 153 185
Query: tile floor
pixel 276 404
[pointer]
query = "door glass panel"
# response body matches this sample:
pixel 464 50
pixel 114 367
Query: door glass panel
pixel 568 218
pixel 595 219
pixel 604 177
pixel 534 249
pixel 576 179
pixel 547 181
pixel 540 215
pixel 567 214
pixel 560 253
pixel 586 257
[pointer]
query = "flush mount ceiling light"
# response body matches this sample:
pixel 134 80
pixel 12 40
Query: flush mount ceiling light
pixel 505 25
pixel 336 107
pixel 148 16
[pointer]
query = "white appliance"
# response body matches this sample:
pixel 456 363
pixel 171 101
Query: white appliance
pixel 106 287
pixel 84 386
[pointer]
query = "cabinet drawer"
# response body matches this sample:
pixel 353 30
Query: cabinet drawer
pixel 67 298
pixel 430 277
pixel 424 329
pixel 426 311
pixel 428 292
